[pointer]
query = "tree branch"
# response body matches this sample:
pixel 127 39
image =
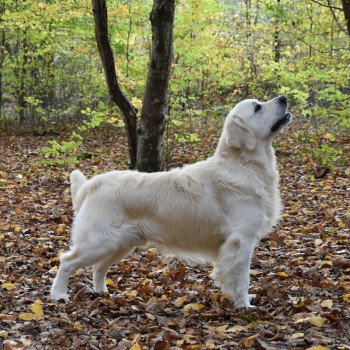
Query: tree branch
pixel 328 6
pixel 152 122
pixel 336 18
pixel 115 92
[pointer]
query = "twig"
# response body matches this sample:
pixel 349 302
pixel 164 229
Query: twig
pixel 328 6
pixel 336 18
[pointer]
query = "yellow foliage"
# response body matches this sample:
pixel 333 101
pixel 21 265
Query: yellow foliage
pixel 346 297
pixel 193 306
pixel 109 282
pixel 8 286
pixel 78 326
pixel 222 328
pixel 313 320
pixel 37 311
pixel 282 274
pixel 136 347
pixel 179 301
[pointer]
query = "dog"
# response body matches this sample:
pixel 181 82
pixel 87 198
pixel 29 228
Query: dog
pixel 216 210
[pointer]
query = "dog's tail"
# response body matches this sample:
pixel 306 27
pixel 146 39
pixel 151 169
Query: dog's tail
pixel 77 180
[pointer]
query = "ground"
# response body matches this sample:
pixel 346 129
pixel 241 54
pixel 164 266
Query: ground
pixel 300 272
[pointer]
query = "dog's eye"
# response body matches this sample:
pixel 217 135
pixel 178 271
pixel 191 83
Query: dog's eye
pixel 257 108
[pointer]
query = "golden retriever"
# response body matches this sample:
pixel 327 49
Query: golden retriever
pixel 217 209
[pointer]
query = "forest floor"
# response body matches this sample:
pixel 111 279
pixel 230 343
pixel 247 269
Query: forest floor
pixel 300 272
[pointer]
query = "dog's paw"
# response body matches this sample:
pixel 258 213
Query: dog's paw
pixel 102 289
pixel 56 296
pixel 251 297
pixel 245 303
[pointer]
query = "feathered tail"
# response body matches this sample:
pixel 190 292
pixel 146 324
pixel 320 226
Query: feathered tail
pixel 77 180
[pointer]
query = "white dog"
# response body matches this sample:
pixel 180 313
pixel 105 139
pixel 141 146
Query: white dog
pixel 217 209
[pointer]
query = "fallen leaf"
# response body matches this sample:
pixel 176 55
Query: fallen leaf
pixel 300 303
pixel 195 307
pixel 164 297
pixel 27 316
pixel 249 341
pixel 179 301
pixel 326 264
pixel 236 329
pixel 317 321
pixel 327 303
pixel 151 301
pixel 3 334
pixel 282 274
pixel 314 320
pixel 136 347
pixel 346 297
pixel 78 326
pixel 210 344
pixel 37 308
pixel 318 241
pixel 222 328
pixel 8 286
pixel 37 311
pixel 297 335
pixel 150 316
pixel 136 338
pixel 110 282
pixel 130 293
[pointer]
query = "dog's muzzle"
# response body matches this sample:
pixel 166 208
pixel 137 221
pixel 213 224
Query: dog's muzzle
pixel 281 122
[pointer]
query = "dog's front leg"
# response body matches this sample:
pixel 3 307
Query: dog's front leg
pixel 233 267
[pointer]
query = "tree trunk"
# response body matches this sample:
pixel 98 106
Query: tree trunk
pixel 115 93
pixel 21 90
pixel 277 43
pixel 346 9
pixel 2 45
pixel 152 124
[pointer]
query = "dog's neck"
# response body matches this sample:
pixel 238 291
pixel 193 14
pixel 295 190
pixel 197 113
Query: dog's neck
pixel 263 156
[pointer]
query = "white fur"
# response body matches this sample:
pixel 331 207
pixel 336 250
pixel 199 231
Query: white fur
pixel 217 209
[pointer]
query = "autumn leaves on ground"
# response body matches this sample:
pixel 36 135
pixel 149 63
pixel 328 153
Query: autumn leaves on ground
pixel 300 272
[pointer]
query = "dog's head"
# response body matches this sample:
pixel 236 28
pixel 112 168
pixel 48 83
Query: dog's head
pixel 252 120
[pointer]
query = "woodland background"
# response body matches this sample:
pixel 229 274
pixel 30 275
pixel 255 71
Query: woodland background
pixel 55 115
pixel 52 80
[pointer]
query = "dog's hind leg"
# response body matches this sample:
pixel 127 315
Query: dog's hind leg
pixel 101 268
pixel 233 268
pixel 70 262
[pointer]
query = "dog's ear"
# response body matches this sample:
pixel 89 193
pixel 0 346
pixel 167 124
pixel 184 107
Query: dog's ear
pixel 238 134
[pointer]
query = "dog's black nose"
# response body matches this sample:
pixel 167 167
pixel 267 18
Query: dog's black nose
pixel 282 99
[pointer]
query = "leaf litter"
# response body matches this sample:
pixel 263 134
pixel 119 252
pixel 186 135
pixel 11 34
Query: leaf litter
pixel 300 272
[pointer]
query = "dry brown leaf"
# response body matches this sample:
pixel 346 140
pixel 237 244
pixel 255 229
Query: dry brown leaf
pixel 179 301
pixel 193 306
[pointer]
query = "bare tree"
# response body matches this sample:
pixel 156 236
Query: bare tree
pixel 152 124
pixel 277 41
pixel 145 144
pixel 115 92
pixel 346 10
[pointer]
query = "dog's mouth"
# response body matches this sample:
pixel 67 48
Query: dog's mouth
pixel 281 122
